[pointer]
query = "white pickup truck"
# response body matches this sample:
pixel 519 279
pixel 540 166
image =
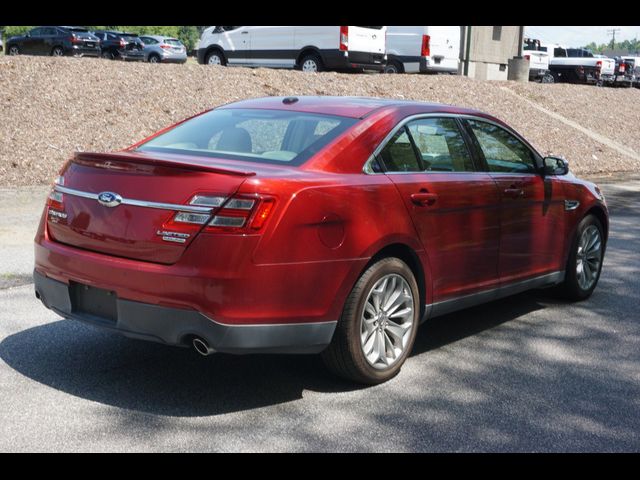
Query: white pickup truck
pixel 538 61
pixel 579 65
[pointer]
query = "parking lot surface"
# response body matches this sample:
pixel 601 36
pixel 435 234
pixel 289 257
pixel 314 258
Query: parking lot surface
pixel 527 373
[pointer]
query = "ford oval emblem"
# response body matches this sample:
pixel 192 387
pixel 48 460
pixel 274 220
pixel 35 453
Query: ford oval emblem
pixel 109 199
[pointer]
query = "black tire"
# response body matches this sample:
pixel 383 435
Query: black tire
pixel 154 58
pixel 57 51
pixel 548 78
pixel 570 289
pixel 13 50
pixel 310 59
pixel 345 356
pixel 108 54
pixel 209 59
pixel 393 66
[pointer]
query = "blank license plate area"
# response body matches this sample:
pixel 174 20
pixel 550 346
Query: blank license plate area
pixel 93 301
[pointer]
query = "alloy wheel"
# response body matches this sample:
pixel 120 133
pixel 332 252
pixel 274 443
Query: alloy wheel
pixel 387 321
pixel 589 257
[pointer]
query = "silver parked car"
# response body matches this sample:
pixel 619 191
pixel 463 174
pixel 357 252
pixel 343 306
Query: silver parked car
pixel 163 49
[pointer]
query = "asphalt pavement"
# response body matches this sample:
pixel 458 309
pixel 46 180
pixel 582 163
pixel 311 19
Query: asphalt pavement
pixel 524 374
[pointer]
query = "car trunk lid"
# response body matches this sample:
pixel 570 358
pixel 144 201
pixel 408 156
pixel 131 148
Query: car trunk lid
pixel 122 204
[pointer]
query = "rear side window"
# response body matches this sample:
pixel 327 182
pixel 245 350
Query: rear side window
pixel 441 145
pixel 266 136
pixel 399 155
pixel 503 152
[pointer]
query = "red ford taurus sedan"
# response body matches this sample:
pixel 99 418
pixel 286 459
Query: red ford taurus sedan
pixel 314 224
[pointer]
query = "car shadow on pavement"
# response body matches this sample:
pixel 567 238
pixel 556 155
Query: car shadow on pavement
pixel 151 378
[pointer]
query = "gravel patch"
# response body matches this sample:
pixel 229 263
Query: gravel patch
pixel 51 107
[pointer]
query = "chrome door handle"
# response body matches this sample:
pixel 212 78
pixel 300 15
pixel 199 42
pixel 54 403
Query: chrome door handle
pixel 514 192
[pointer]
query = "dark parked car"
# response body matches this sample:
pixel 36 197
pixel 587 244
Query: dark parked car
pixel 56 41
pixel 626 73
pixel 314 224
pixel 120 45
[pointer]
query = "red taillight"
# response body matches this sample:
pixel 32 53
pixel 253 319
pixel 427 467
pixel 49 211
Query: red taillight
pixel 425 51
pixel 528 57
pixel 344 38
pixel 240 213
pixel 599 64
pixel 123 43
pixel 55 200
pixel 165 47
pixel 75 39
pixel 262 213
pixel 622 68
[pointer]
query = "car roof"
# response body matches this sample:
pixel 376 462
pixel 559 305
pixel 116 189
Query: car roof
pixel 157 37
pixel 353 107
pixel 115 32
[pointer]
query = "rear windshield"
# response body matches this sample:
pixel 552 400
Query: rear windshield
pixel 265 136
pixel 172 41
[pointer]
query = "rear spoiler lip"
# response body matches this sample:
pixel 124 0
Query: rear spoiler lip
pixel 142 158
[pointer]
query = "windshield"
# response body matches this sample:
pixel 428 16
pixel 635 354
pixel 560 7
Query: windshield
pixel 265 136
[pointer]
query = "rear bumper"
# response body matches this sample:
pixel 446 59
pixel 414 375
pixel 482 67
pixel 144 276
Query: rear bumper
pixel 135 55
pixel 176 326
pixel 428 65
pixel 340 60
pixel 80 50
pixel 174 58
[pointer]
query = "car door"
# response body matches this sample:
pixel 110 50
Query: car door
pixel 454 207
pixel 271 46
pixel 50 38
pixel 235 43
pixel 32 43
pixel 532 205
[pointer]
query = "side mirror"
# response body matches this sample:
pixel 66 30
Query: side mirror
pixel 555 166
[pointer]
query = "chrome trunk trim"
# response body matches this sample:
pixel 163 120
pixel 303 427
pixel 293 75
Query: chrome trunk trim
pixel 136 203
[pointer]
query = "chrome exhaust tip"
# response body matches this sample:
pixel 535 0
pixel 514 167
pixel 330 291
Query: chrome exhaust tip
pixel 202 347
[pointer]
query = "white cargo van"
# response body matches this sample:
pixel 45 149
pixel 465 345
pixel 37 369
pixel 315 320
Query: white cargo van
pixel 311 48
pixel 423 49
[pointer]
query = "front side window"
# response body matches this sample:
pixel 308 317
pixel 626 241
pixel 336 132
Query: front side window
pixel 503 152
pixel 441 145
pixel 266 136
